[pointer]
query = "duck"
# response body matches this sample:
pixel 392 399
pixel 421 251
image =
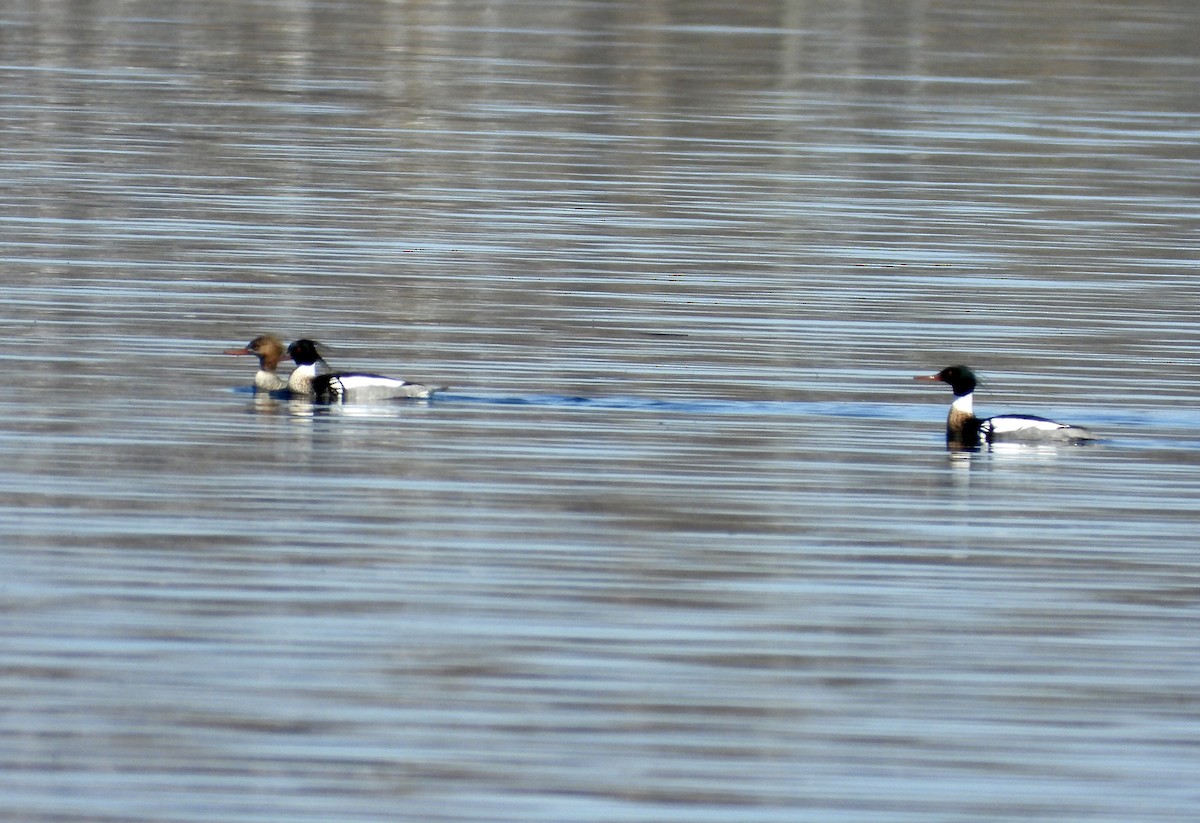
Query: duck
pixel 964 429
pixel 269 350
pixel 313 378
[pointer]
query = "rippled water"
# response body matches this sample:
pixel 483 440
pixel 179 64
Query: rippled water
pixel 682 541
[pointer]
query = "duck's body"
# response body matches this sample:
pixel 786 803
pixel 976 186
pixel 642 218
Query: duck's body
pixel 269 351
pixel 964 429
pixel 312 378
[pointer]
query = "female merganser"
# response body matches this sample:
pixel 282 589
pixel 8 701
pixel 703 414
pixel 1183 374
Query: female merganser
pixel 312 378
pixel 963 428
pixel 269 351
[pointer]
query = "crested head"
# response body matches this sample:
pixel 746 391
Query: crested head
pixel 266 347
pixel 304 352
pixel 960 379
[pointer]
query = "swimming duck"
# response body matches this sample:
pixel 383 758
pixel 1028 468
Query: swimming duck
pixel 269 351
pixel 963 428
pixel 313 378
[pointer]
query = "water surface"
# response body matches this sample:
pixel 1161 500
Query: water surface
pixel 682 541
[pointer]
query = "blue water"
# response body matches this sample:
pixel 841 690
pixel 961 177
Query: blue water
pixel 683 541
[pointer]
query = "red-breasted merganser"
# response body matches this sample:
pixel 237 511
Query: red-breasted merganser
pixel 312 378
pixel 963 428
pixel 269 351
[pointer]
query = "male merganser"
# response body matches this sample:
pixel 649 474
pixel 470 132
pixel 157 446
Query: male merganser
pixel 963 428
pixel 311 377
pixel 269 351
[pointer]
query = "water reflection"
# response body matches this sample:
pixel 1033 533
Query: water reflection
pixel 302 407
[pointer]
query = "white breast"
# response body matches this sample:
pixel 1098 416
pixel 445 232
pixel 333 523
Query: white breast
pixel 301 380
pixel 268 381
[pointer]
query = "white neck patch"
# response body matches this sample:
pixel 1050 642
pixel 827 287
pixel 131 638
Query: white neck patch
pixel 964 404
